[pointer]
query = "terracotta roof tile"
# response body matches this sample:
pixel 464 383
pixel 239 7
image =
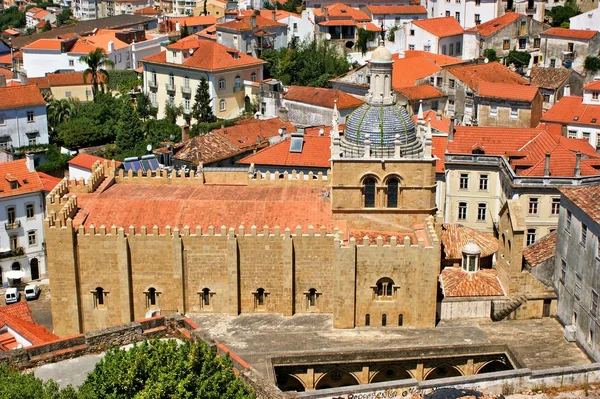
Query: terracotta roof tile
pixel 59 79
pixel 45 44
pixel 399 9
pixel 593 85
pixel 85 160
pixel 441 125
pixel 322 97
pixel 438 149
pixel 507 91
pixel 440 27
pixel 6 59
pixel 205 205
pixel 147 11
pixel 253 133
pixel 456 236
pixel 492 26
pixel 210 56
pixel 19 310
pixel 48 182
pixel 338 22
pixel 438 59
pixel 549 78
pixel 422 92
pixel 492 140
pixel 586 198
pixel 20 96
pixel 570 33
pixel 7 73
pixel 541 250
pixel 342 11
pixel 242 24
pixel 315 153
pixel 494 72
pixel 406 71
pixel 28 182
pixel 195 21
pixel 19 318
pixel 457 283
pixel 572 110
pixel 207 148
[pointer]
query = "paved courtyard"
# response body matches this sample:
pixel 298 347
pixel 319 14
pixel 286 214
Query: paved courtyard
pixel 538 343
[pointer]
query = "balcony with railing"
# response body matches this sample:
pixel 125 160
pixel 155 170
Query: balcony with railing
pixel 170 86
pixel 153 84
pixel 13 226
pixel 186 89
pixel 18 251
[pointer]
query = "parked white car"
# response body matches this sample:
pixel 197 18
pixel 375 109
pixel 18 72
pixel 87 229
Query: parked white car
pixel 32 291
pixel 12 295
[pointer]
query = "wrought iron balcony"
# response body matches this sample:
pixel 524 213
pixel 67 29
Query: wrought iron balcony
pixel 18 251
pixel 186 90
pixel 170 87
pixel 13 226
pixel 153 84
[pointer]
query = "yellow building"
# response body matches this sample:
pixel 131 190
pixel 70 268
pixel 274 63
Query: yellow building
pixel 174 75
pixel 59 86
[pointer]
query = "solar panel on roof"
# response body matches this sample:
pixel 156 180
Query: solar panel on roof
pixel 296 144
pixel 145 165
pixel 154 164
pixel 135 166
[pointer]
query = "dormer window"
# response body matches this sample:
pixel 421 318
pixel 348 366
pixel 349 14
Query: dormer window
pixel 471 254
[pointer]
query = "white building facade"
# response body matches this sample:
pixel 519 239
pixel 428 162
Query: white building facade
pixel 23 120
pixel 587 21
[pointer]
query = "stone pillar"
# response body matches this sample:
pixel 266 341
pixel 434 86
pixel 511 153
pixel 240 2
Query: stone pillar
pixel 124 267
pixel 178 270
pixel 419 372
pixel 310 379
pixel 364 375
pixel 233 274
pixel 287 301
pixel 344 297
pixel 470 367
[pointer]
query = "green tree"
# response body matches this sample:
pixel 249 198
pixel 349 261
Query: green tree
pixel 64 17
pixel 520 59
pixel 392 33
pixel 185 32
pixel 202 110
pixel 592 64
pixel 364 36
pixel 294 6
pixel 161 130
pixel 129 139
pixel 47 27
pixel 57 162
pixel 144 107
pixel 172 112
pixel 490 54
pixel 60 111
pixel 78 132
pixel 17 385
pixel 12 18
pixel 559 15
pixel 96 61
pixel 122 81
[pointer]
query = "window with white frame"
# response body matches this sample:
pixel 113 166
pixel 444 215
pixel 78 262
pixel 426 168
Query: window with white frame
pixel 531 236
pixel 462 211
pixel 594 304
pixel 578 280
pixel 563 270
pixel 463 182
pixel 568 222
pixel 171 100
pixel 30 117
pixel 32 138
pixel 555 206
pixel 222 105
pixel 583 237
pixel 29 211
pixel 32 237
pixel 186 104
pixel 481 212
pixel 514 112
pixel 221 84
pixel 71 63
pixel 411 46
pixel 153 98
pixel 533 205
pixel 572 134
pixel 595 95
pixel 253 77
pixel 186 82
pixel 483 182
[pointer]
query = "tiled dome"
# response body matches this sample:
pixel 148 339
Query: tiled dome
pixel 382 123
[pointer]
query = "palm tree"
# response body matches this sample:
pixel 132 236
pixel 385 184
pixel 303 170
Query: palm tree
pixel 96 62
pixel 60 111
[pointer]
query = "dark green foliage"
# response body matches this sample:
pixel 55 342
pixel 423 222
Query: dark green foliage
pixel 185 32
pixel 160 130
pixel 96 61
pixel 519 58
pixel 60 111
pixel 57 162
pixel 310 64
pixel 129 133
pixel 14 385
pixel 364 36
pixel 122 81
pixel 592 64
pixel 202 128
pixel 294 6
pixel 172 112
pixel 392 33
pixel 144 107
pixel 64 17
pixel 12 18
pixel 202 110
pixel 490 54
pixel 559 15
pixel 47 27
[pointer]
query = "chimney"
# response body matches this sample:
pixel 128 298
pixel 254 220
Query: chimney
pixel 185 132
pixel 567 90
pixel 23 78
pixel 274 15
pixel 253 21
pixel 29 162
pixel 2 81
pixel 111 46
pixel 577 164
pixel 326 13
pixel 438 115
pixel 177 27
pixel 283 130
pixel 547 165
pixel 451 131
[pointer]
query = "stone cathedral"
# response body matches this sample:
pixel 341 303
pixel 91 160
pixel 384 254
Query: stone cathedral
pixel 360 243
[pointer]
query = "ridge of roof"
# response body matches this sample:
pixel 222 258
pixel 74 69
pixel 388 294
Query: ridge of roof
pixel 440 27
pixel 494 25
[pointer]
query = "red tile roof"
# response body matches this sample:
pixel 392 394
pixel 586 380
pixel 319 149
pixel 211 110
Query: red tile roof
pixel 20 96
pixel 571 33
pixel 438 149
pixel 322 97
pixel 406 71
pixel 507 91
pixel 248 133
pixel 20 310
pixel 341 11
pixel 204 205
pixel 440 27
pixel 210 56
pixel 5 59
pixel 593 85
pixel 207 148
pixel 28 182
pixel 456 236
pixel 492 26
pixel 379 10
pixel 59 79
pixel 457 283
pixel 85 160
pixel 18 318
pixel 438 59
pixel 242 24
pixel 147 11
pixel 45 44
pixel 338 22
pixel 315 153
pixel 494 72
pixel 492 140
pixel 572 111
pixel 540 251
pixel 422 92
pixel 7 73
pixel 195 21
pixel 48 182
pixel 586 198
pixel 441 125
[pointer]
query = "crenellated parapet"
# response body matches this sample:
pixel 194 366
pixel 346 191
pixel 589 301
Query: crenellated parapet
pixel 276 178
pixel 100 170
pixel 58 217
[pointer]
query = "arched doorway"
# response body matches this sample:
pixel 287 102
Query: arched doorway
pixel 493 366
pixel 35 270
pixel 443 371
pixel 391 373
pixel 287 382
pixel 336 379
pixel 247 104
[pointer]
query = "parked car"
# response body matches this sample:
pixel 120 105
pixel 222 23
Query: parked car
pixel 32 291
pixel 12 295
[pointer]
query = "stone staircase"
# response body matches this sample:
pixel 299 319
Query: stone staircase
pixel 501 309
pixel 108 181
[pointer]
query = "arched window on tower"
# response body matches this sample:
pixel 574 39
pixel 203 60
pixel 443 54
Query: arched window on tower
pixel 260 298
pixel 369 192
pixel 151 297
pixel 98 297
pixel 384 289
pixel 392 193
pixel 312 297
pixel 367 319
